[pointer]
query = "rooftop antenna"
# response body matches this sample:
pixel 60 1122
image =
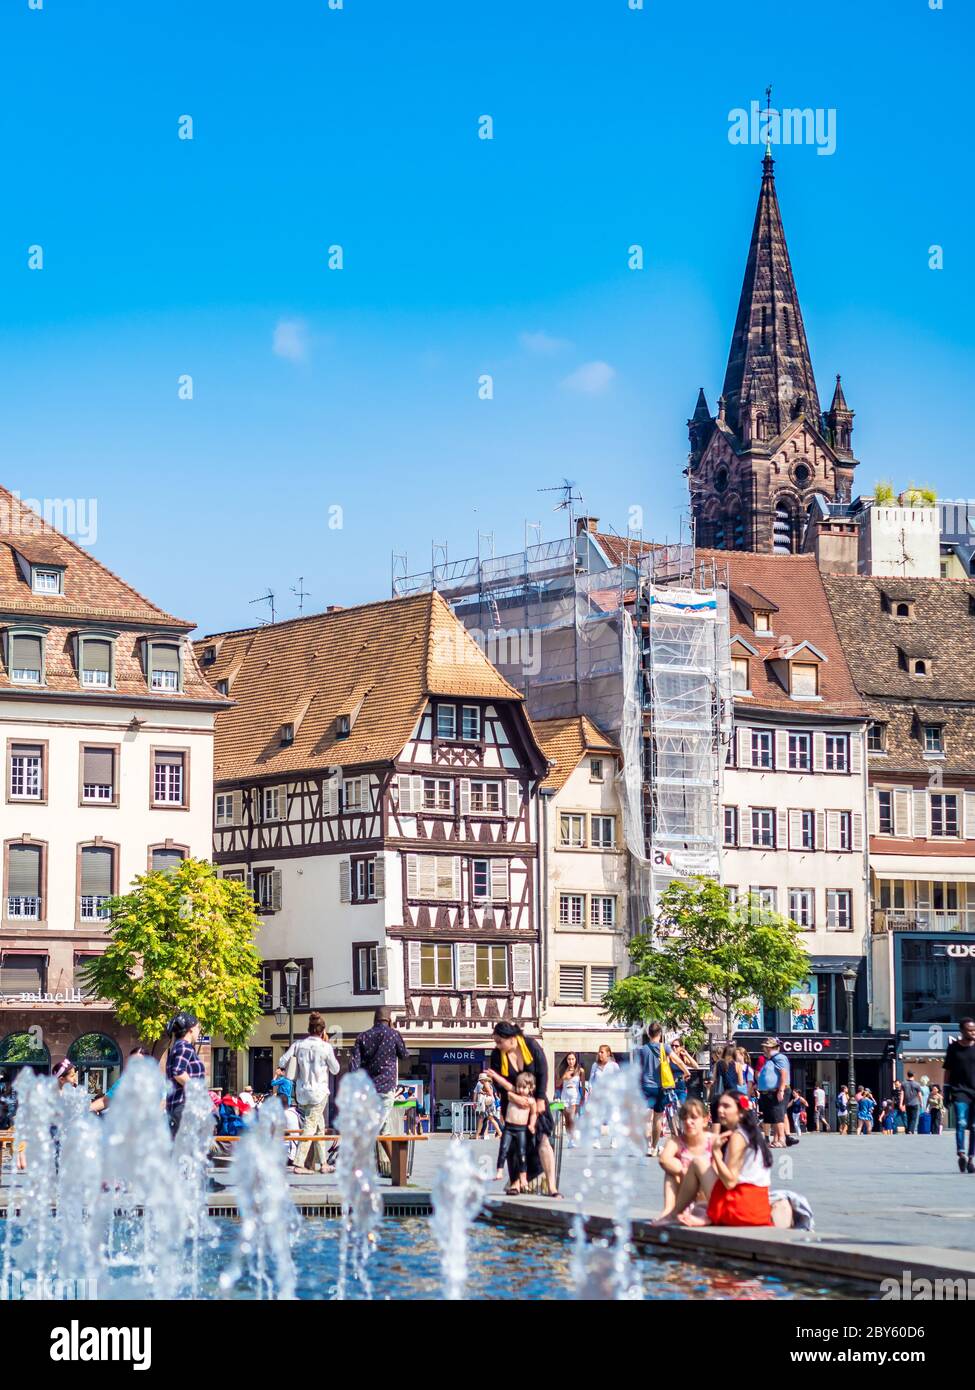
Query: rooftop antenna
pixel 568 498
pixel 398 565
pixel 267 598
pixel 533 526
pixel 301 593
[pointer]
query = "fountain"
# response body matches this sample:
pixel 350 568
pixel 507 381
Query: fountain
pixel 268 1219
pixel 611 1127
pixel 360 1117
pixel 458 1195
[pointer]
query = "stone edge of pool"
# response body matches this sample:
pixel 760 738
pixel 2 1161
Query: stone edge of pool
pixel 799 1252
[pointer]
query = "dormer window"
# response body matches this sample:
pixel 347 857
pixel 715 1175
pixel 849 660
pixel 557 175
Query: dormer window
pixel 223 687
pixel 877 738
pixel 447 721
pixel 287 734
pixel 209 655
pixel 739 675
pixel 803 680
pixel 934 740
pixel 95 662
pixel 343 726
pixel 163 666
pixel 919 666
pixel 45 580
pixel 762 621
pixel 26 658
pixel 903 610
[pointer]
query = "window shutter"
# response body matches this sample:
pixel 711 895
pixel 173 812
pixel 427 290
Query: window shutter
pixel 795 830
pixel 466 964
pixel 345 881
pixel 781 829
pixel 25 653
pixel 970 815
pixel 330 797
pixel 745 827
pixel 920 817
pixel 237 804
pixel 856 833
pixel 96 871
pixel 465 796
pixel 382 967
pixel 98 766
pixel 380 875
pixel 856 750
pixel 521 967
pixel 426 876
pixel 24 871
pixel 96 655
pixel 902 813
pixel 455 869
pixel 500 890
pixel 781 749
pixel 165 658
pixel 405 789
pixel 164 861
pixel 255 799
pixel 832 829
pixel 513 795
pixel 872 811
pixel 412 877
pixel 819 752
pixel 744 747
pixel 413 950
pixel 572 983
pixel 820 829
pixel 417 796
pixel 276 890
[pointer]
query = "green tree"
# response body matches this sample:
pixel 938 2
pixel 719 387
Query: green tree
pixel 183 939
pixel 706 955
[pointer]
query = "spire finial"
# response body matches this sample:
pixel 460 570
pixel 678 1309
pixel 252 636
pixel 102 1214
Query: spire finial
pixel 768 161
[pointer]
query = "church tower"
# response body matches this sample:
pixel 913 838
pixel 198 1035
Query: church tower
pixel 755 466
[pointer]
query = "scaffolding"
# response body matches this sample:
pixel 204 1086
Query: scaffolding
pixel 641 648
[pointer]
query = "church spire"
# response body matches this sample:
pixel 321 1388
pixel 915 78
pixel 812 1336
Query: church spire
pixel 769 364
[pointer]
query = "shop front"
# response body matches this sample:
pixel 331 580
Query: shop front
pixel 443 1075
pixel 39 1037
pixel 934 988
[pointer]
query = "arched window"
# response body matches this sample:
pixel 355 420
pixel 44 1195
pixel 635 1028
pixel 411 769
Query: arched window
pixel 759 426
pixel 24 1050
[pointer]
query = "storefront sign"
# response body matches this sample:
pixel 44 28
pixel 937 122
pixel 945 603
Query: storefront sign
pixel 62 996
pixel 835 1044
pixel 466 1056
pixel 686 861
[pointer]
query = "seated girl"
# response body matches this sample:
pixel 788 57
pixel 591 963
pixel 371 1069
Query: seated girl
pixel 692 1141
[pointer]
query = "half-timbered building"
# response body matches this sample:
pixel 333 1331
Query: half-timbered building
pixel 376 784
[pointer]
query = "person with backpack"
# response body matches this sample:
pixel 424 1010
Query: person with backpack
pixel 657 1061
pixel 230 1121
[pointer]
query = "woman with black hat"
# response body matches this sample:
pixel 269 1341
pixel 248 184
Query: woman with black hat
pixel 514 1053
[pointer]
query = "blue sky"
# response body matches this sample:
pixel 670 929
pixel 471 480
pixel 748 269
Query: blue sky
pixel 315 389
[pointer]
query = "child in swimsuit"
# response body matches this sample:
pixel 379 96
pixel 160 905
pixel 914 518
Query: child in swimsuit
pixel 519 1123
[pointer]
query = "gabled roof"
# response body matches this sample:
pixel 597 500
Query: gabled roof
pixel 379 661
pixel 91 591
pixel 622 550
pixel 794 584
pixel 565 742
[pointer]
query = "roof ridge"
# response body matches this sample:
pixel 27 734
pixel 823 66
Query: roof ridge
pixel 335 612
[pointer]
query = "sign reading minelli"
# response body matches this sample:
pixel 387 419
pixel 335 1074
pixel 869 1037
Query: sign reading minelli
pixel 61 996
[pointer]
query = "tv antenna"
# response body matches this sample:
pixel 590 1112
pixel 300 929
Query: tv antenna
pixel 569 497
pixel 267 598
pixel 301 593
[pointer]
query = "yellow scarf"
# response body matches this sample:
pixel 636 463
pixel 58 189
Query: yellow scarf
pixel 526 1056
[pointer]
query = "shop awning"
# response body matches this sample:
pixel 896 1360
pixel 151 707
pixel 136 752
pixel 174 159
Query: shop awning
pixel 922 869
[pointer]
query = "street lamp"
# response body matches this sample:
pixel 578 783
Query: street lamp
pixel 291 973
pixel 850 984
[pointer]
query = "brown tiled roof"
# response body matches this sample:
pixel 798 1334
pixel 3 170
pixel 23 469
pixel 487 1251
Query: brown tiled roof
pixel 379 662
pixel 943 629
pixel 565 742
pixel 802 613
pixel 90 590
pixel 620 550
pixel 93 597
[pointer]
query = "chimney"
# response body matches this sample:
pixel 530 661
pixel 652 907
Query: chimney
pixel 587 523
pixel 334 608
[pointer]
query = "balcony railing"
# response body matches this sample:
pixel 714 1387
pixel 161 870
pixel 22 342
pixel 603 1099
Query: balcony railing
pixel 23 908
pixel 923 919
pixel 94 906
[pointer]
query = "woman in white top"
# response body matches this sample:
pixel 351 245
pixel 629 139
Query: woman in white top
pixel 572 1089
pixel 604 1065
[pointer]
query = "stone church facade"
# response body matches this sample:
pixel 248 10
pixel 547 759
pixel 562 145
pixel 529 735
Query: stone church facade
pixel 755 466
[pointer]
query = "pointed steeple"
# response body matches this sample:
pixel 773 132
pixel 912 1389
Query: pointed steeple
pixel 769 364
pixel 700 425
pixel 701 412
pixel 839 423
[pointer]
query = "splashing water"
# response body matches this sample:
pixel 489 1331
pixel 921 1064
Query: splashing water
pixel 191 1159
pixel 360 1118
pixel 611 1138
pixel 458 1194
pixel 30 1248
pixel 268 1219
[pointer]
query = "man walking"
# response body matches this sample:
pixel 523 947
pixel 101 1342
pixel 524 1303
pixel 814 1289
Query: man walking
pixel 315 1058
pixel 377 1052
pixel 959 1065
pixel 820 1117
pixel 774 1094
pixel 913 1096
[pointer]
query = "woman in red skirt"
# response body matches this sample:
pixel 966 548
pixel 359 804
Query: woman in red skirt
pixel 735 1181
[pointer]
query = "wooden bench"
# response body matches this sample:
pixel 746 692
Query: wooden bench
pixel 399 1154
